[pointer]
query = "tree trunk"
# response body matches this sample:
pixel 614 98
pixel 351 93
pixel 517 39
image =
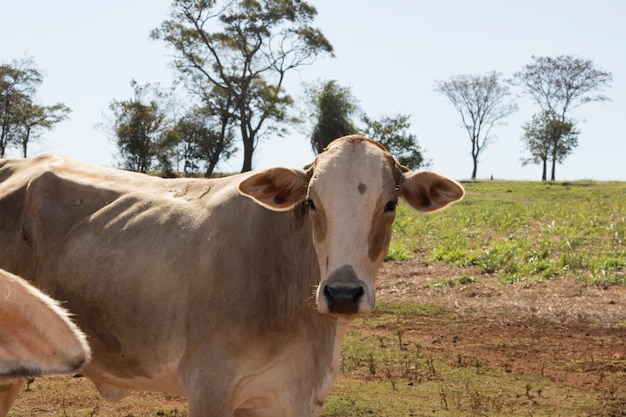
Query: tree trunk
pixel 544 173
pixel 475 169
pixel 248 150
pixel 553 174
pixel 25 142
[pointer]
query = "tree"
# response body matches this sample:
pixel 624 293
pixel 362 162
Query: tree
pixel 549 139
pixel 140 129
pixel 563 83
pixel 559 85
pixel 392 133
pixel 331 108
pixel 203 140
pixel 21 120
pixel 480 99
pixel 32 119
pixel 243 48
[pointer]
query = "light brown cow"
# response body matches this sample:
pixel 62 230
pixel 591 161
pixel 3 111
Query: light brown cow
pixel 36 335
pixel 204 287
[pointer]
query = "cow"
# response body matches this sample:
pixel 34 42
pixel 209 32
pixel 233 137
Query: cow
pixel 37 337
pixel 234 292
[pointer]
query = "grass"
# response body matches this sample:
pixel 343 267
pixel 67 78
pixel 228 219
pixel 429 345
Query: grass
pixel 525 231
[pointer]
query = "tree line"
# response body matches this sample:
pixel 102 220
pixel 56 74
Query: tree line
pixel 232 59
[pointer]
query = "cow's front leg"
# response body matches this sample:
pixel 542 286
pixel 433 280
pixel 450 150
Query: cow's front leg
pixel 208 391
pixel 8 393
pixel 214 403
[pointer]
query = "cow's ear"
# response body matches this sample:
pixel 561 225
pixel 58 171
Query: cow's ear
pixel 426 191
pixel 36 335
pixel 276 188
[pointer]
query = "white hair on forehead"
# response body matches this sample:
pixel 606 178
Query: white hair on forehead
pixel 352 162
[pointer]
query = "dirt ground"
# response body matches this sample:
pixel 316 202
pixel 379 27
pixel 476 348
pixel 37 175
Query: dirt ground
pixel 563 329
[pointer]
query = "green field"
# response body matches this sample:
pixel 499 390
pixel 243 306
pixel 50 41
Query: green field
pixel 525 231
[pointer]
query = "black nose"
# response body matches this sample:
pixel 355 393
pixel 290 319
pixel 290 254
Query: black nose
pixel 343 300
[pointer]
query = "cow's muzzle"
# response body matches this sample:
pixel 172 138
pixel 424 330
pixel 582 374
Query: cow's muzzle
pixel 342 293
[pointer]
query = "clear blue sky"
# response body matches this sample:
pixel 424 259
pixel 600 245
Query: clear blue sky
pixel 389 53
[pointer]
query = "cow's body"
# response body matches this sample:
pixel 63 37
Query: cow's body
pixel 188 286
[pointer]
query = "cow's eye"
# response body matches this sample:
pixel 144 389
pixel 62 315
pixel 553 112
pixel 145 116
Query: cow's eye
pixel 390 206
pixel 310 204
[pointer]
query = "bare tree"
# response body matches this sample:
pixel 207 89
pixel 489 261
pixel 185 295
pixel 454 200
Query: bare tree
pixel 563 83
pixel 480 99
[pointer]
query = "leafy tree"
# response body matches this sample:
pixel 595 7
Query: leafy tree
pixel 549 139
pixel 559 85
pixel 331 108
pixel 140 128
pixel 32 119
pixel 21 120
pixel 480 99
pixel 392 133
pixel 243 49
pixel 203 140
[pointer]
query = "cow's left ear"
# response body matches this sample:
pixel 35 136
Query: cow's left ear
pixel 426 191
pixel 276 188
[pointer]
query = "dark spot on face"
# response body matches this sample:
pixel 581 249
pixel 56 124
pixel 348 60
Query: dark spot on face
pixel 426 202
pixel 362 188
pixel 279 199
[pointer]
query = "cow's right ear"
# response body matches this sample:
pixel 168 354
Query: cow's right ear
pixel 277 189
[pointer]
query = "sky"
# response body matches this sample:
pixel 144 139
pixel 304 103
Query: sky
pixel 390 54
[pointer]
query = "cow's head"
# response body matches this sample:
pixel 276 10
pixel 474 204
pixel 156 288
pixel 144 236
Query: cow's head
pixel 351 190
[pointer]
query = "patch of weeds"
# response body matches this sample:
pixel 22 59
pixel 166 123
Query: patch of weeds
pixel 608 271
pixel 170 413
pixel 465 395
pixel 407 308
pixel 386 359
pixel 451 282
pixel 399 251
pixel 450 252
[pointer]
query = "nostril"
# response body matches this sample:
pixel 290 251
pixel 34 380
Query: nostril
pixel 357 295
pixel 344 300
pixel 328 293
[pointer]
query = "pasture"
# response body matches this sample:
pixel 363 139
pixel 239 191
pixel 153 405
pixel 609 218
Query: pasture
pixel 509 303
